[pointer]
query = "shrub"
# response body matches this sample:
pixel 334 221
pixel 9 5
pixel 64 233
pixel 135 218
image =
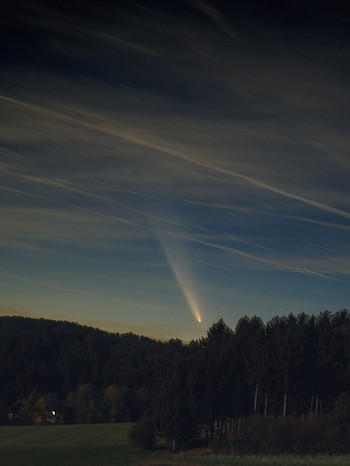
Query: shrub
pixel 318 434
pixel 143 434
pixel 342 411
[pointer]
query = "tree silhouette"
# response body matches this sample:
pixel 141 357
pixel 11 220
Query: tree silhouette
pixel 219 356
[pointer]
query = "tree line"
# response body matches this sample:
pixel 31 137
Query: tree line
pixel 293 366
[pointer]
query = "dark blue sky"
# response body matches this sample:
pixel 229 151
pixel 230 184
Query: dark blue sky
pixel 161 166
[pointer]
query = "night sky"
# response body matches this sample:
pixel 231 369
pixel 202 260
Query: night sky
pixel 165 167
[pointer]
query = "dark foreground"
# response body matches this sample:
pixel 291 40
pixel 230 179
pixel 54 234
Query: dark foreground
pixel 108 444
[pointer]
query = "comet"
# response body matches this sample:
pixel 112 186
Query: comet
pixel 179 264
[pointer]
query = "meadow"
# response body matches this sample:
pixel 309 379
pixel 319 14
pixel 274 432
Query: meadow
pixel 108 444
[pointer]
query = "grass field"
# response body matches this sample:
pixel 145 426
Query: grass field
pixel 69 445
pixel 107 445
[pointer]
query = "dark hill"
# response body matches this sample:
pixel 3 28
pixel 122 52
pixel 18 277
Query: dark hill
pixel 291 366
pixel 57 356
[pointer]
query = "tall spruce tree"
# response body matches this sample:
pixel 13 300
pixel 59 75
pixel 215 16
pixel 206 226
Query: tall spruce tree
pixel 220 360
pixel 177 409
pixel 253 368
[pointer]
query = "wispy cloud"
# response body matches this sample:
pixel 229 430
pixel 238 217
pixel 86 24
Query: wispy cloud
pixel 225 131
pixel 51 284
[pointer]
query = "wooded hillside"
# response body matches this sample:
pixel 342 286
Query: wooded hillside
pixel 293 365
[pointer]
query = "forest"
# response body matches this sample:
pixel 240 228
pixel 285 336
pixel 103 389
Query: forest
pixel 275 386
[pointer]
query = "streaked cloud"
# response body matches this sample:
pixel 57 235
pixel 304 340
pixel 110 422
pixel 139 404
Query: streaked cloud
pixel 230 132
